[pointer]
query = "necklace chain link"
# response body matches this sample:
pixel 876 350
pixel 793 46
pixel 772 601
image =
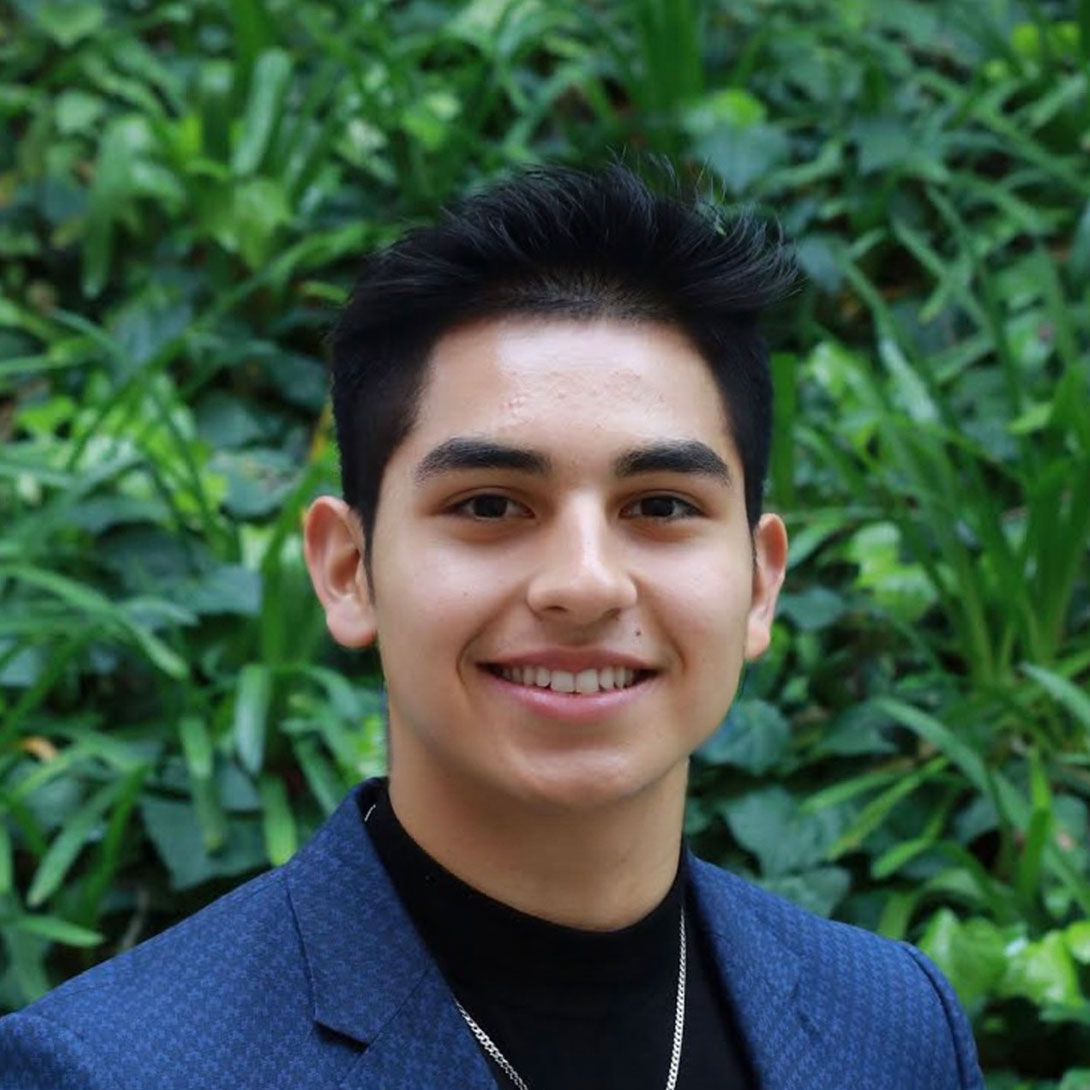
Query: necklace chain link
pixel 508 1069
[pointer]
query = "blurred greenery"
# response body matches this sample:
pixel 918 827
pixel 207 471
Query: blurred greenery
pixel 185 188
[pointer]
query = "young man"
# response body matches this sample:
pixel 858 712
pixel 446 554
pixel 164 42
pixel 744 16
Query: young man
pixel 553 410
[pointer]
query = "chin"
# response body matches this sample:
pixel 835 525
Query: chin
pixel 582 786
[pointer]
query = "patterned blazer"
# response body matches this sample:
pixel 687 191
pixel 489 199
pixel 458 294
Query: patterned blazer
pixel 312 978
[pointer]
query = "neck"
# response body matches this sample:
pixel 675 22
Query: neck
pixel 598 869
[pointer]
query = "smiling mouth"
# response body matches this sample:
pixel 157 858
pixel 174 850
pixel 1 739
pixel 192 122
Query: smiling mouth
pixel 579 683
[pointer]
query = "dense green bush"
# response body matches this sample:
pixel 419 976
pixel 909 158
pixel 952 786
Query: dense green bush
pixel 184 190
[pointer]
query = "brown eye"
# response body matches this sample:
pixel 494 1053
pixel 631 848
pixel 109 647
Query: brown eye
pixel 490 506
pixel 663 508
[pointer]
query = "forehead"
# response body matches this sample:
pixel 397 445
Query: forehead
pixel 571 384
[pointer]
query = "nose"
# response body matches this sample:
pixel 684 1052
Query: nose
pixel 581 576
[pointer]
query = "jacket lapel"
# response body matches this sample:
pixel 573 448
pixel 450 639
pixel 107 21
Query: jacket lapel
pixel 372 979
pixel 760 973
pixel 374 982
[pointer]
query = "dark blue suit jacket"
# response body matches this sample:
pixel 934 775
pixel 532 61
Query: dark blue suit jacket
pixel 312 978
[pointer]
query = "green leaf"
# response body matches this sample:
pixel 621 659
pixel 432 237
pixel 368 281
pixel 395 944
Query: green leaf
pixel 959 750
pixel 741 156
pixel 812 609
pixel 224 589
pixel 1036 418
pixel 882 142
pixel 1078 260
pixel 1065 692
pixel 28 953
pixel 1042 971
pixel 769 823
pixel 730 106
pixel 893 859
pixel 268 87
pixel 197 746
pixel 326 786
pixel 200 760
pixel 259 209
pixel 858 729
pixel 179 840
pixel 69 843
pixel 900 586
pixel 227 422
pixel 430 121
pixel 67 21
pixel 877 810
pixel 809 535
pixel 849 788
pixel 76 111
pixel 1077 937
pixel 252 698
pixel 57 930
pixel 258 479
pixel 125 141
pixel 278 824
pixel 971 954
pixel 818 890
pixel 5 859
pixel 754 736
pixel 210 815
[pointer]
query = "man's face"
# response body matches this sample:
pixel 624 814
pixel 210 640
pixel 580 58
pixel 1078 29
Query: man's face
pixel 567 513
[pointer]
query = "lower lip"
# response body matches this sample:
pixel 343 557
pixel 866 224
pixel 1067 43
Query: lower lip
pixel 570 707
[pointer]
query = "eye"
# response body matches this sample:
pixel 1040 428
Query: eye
pixel 664 508
pixel 490 507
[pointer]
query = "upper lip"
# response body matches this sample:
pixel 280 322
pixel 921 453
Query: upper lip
pixel 573 659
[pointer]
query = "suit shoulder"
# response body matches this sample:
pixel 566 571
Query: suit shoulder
pixel 864 995
pixel 228 932
pixel 222 993
pixel 36 1054
pixel 847 949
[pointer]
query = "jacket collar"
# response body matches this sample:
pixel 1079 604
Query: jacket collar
pixel 760 969
pixel 374 981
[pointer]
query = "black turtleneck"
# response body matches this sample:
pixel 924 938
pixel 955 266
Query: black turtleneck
pixel 570 1009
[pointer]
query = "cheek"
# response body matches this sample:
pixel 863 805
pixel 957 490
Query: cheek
pixel 436 598
pixel 706 602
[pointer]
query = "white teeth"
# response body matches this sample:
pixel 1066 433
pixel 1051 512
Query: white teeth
pixel 562 681
pixel 565 681
pixel 586 681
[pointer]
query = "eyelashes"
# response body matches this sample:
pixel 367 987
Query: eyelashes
pixel 491 507
pixel 663 508
pixel 497 507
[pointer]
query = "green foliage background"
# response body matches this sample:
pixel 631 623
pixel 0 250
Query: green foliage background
pixel 185 188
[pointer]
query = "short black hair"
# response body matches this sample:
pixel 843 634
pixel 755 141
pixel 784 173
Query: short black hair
pixel 564 243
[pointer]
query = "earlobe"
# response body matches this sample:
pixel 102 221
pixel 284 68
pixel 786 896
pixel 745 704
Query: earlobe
pixel 770 565
pixel 333 547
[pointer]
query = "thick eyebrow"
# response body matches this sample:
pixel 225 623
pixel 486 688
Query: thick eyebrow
pixel 466 453
pixel 462 453
pixel 682 456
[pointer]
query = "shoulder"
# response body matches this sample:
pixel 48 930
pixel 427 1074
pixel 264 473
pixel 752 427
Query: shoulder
pixel 222 992
pixel 871 1000
pixel 225 998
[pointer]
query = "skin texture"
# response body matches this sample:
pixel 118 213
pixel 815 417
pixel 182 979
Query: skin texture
pixel 566 806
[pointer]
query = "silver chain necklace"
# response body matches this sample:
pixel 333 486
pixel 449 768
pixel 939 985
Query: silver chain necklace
pixel 508 1069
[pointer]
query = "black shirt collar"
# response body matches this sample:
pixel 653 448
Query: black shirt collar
pixel 480 941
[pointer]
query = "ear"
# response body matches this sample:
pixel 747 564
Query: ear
pixel 770 564
pixel 333 547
